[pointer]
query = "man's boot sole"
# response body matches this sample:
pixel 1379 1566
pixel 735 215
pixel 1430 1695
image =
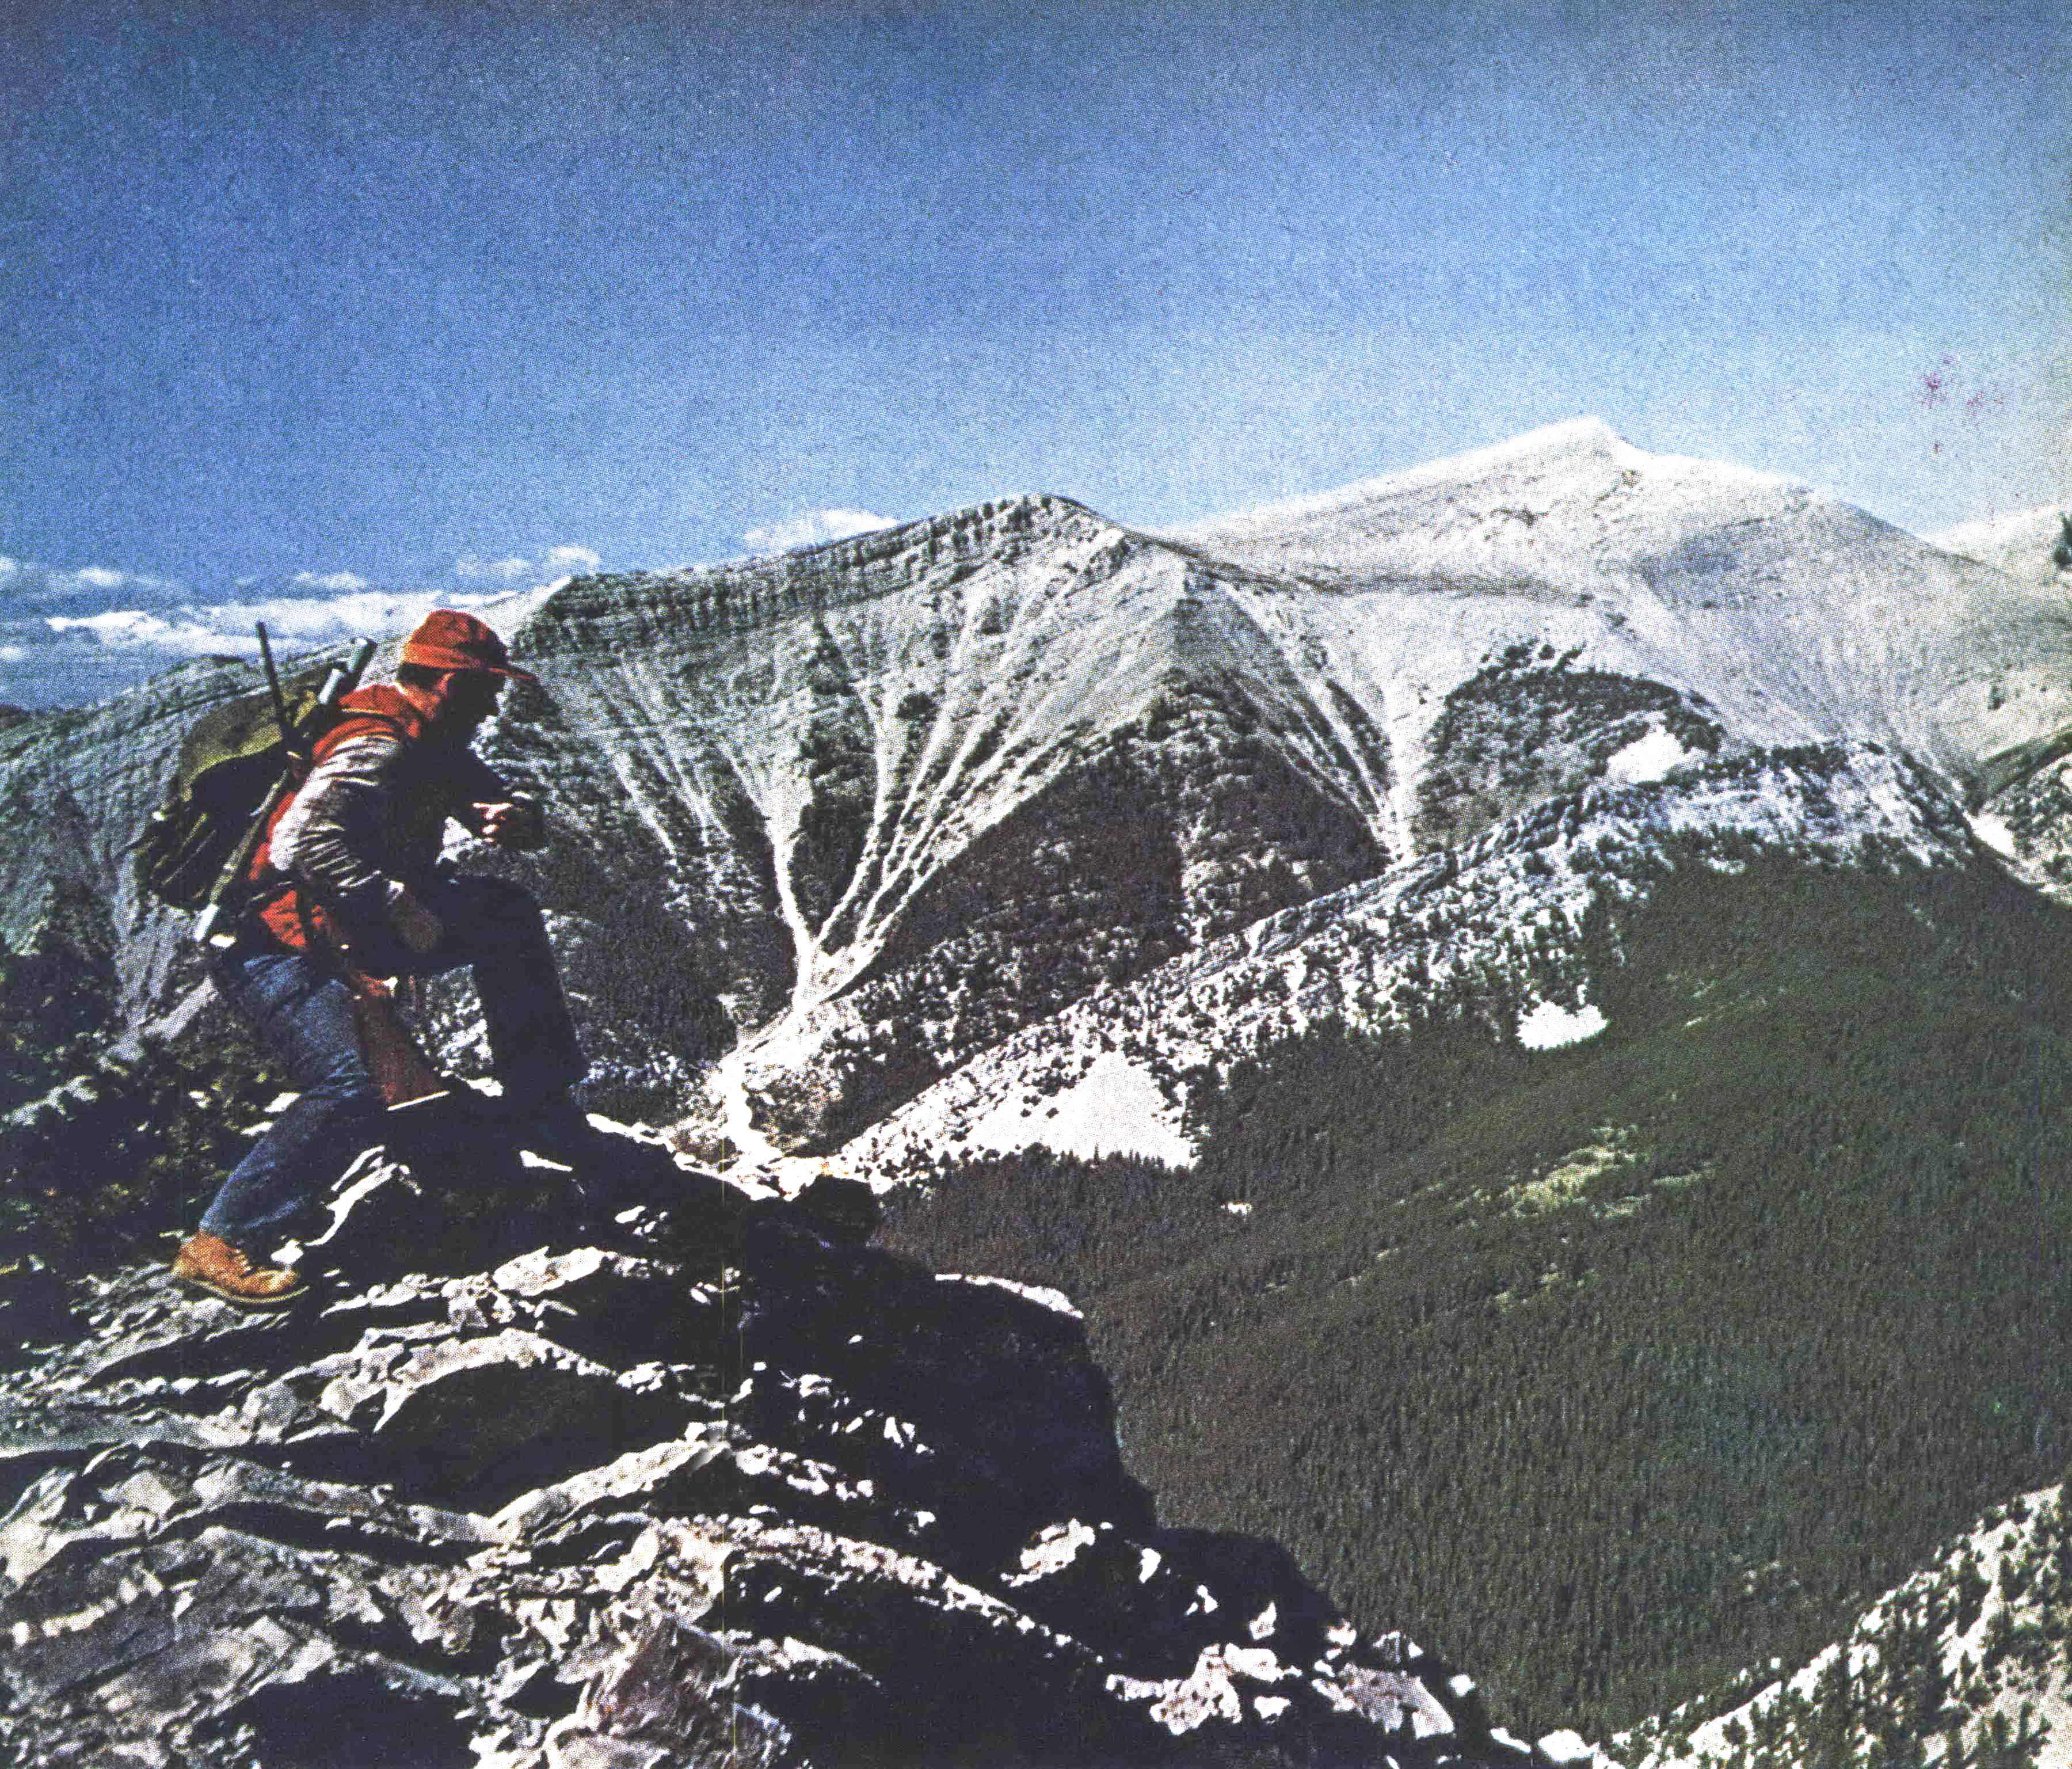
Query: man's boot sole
pixel 205 1287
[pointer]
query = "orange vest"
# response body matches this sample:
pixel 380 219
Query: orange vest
pixel 290 913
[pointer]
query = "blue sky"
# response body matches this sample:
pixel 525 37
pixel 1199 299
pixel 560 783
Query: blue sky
pixel 334 310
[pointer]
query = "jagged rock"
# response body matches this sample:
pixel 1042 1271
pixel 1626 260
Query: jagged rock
pixel 703 1480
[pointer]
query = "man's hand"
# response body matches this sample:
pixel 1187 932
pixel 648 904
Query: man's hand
pixel 415 925
pixel 512 823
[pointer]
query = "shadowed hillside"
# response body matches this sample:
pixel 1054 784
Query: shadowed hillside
pixel 1619 1366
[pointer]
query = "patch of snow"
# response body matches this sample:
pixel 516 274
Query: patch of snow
pixel 1564 1748
pixel 728 1083
pixel 1115 1108
pixel 1993 832
pixel 1550 1025
pixel 1647 758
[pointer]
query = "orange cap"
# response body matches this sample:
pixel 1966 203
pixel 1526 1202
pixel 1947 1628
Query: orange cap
pixel 446 639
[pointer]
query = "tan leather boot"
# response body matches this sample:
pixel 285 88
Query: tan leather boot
pixel 210 1263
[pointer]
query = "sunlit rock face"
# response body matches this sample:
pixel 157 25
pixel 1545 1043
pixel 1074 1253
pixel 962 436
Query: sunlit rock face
pixel 581 1457
pixel 830 823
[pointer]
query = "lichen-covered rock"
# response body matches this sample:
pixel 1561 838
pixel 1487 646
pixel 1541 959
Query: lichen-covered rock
pixel 699 1479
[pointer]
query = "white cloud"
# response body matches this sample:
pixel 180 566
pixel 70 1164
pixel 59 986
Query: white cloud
pixel 561 560
pixel 27 578
pixel 293 622
pixel 814 527
pixel 468 565
pixel 128 629
pixel 120 627
pixel 314 618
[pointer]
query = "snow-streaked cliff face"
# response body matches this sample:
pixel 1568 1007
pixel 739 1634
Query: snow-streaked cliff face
pixel 1495 927
pixel 957 773
pixel 848 817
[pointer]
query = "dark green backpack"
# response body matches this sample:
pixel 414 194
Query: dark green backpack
pixel 235 760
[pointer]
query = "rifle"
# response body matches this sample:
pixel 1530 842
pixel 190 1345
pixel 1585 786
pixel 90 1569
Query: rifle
pixel 295 741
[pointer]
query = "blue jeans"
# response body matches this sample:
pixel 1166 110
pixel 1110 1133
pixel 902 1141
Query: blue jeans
pixel 303 1010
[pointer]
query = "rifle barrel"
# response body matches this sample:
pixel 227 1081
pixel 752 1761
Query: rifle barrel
pixel 273 686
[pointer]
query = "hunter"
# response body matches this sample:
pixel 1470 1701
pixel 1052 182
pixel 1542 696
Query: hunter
pixel 346 890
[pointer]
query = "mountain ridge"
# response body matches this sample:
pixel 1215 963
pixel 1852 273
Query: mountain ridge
pixel 921 852
pixel 808 754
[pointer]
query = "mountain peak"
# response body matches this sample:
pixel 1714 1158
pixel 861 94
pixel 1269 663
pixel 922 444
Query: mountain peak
pixel 2024 544
pixel 1572 465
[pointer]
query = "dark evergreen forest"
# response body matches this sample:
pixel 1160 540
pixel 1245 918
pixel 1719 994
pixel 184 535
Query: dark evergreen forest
pixel 1608 1371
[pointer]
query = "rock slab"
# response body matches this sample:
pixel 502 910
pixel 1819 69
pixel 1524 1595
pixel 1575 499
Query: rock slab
pixel 698 1478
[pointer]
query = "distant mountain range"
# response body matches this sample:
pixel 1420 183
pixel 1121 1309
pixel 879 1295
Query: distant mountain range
pixel 849 816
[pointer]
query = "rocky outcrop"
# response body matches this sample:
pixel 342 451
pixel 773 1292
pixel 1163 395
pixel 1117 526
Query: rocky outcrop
pixel 582 1459
pixel 1529 726
pixel 1965 1658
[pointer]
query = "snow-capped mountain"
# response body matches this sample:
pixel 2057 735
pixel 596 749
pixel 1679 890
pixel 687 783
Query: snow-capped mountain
pixel 848 816
pixel 1493 928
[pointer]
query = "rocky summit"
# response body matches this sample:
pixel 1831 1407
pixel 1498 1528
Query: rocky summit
pixel 585 1460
